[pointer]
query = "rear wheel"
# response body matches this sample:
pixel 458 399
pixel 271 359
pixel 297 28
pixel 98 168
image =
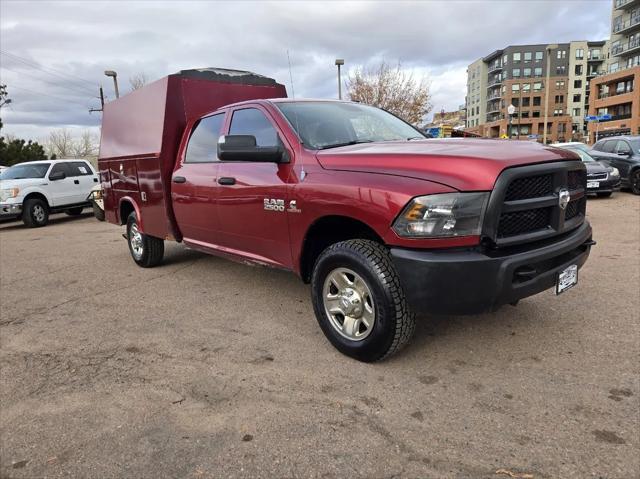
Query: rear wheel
pixel 35 213
pixel 634 182
pixel 604 194
pixel 358 300
pixel 98 212
pixel 74 211
pixel 145 250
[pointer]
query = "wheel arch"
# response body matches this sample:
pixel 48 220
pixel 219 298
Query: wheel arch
pixel 37 194
pixel 126 206
pixel 328 230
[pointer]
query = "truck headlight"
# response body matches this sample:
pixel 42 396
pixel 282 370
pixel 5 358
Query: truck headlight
pixel 9 193
pixel 442 215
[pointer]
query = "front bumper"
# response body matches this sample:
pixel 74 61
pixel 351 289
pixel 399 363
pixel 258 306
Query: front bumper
pixel 476 281
pixel 10 210
pixel 604 186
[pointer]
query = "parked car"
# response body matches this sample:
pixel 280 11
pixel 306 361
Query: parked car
pixel 382 225
pixel 597 155
pixel 34 189
pixel 626 157
pixel 602 179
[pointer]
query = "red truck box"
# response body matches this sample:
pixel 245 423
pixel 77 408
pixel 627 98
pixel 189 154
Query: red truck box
pixel 142 131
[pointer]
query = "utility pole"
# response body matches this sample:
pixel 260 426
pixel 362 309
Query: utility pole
pixel 101 102
pixel 114 75
pixel 546 91
pixel 519 108
pixel 339 63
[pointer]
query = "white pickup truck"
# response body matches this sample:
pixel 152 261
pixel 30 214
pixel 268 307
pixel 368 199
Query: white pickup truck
pixel 34 189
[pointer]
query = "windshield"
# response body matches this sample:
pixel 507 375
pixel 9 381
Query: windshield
pixel 583 154
pixel 31 170
pixel 581 147
pixel 322 125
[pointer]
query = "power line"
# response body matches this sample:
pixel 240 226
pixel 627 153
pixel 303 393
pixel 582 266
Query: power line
pixel 75 89
pixel 66 100
pixel 48 70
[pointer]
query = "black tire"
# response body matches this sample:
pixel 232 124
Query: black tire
pixel 394 322
pixel 152 248
pixel 606 194
pixel 74 211
pixel 98 212
pixel 35 213
pixel 634 182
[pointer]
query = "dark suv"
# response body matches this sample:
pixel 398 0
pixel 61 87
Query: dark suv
pixel 627 158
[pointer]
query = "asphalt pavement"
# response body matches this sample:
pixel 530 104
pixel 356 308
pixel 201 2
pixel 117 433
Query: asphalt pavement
pixel 205 368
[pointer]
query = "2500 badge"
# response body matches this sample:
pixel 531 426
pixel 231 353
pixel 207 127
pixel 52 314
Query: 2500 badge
pixel 272 204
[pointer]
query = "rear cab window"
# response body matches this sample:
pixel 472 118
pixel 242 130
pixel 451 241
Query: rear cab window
pixel 203 144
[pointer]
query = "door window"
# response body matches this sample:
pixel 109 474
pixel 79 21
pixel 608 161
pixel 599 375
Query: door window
pixel 251 121
pixel 608 146
pixel 61 167
pixel 79 168
pixel 203 144
pixel 623 147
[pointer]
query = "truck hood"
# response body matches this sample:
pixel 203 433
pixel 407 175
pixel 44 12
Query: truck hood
pixel 461 163
pixel 21 183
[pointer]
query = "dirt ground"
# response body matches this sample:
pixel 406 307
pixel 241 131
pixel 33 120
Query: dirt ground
pixel 204 368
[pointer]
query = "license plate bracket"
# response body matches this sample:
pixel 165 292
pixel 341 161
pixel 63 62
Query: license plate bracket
pixel 593 184
pixel 567 279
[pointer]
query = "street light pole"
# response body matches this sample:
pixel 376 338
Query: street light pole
pixel 546 92
pixel 114 75
pixel 339 63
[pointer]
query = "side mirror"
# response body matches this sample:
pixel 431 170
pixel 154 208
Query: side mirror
pixel 243 148
pixel 58 175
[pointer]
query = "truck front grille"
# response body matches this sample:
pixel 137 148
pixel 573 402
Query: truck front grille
pixel 525 203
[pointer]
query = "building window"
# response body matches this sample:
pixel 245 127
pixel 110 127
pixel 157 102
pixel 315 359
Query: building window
pixel 537 72
pixel 577 83
pixel 527 72
pixel 535 114
pixel 614 66
pixel 516 57
pixel 515 73
pixel 578 70
pixel 576 112
pixel 526 101
pixel 527 57
pixel 536 101
pixel 526 87
pixel 559 98
pixel 561 70
pixel 515 101
pixel 504 60
pixel 577 97
pixel 558 112
pixel 525 114
pixel 594 54
pixel 579 54
pixel 561 54
pixel 538 57
pixel 515 87
pixel 560 84
pixel 537 86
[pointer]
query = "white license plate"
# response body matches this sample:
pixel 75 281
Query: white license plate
pixel 567 278
pixel 593 184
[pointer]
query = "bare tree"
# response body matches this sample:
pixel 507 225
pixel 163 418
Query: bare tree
pixel 137 81
pixel 60 143
pixel 85 146
pixel 392 89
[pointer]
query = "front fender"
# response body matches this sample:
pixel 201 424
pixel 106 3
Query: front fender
pixel 30 190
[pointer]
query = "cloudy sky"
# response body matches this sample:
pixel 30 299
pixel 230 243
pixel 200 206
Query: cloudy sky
pixel 53 54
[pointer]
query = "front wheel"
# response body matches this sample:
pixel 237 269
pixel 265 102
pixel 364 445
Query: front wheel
pixel 358 301
pixel 35 213
pixel 98 212
pixel 145 250
pixel 634 182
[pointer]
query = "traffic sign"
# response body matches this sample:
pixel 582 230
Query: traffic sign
pixel 591 118
pixel 604 117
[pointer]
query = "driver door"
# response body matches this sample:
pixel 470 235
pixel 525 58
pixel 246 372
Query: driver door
pixel 61 191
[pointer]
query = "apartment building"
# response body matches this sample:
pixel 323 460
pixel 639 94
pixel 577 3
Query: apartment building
pixel 617 93
pixel 516 75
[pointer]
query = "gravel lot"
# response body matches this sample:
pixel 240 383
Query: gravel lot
pixel 205 368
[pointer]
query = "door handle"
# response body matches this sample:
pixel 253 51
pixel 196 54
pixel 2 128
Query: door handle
pixel 77 182
pixel 226 181
pixel 179 179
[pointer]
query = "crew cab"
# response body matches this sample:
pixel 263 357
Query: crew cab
pixel 383 223
pixel 34 189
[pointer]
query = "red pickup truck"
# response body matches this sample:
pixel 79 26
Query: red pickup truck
pixel 382 222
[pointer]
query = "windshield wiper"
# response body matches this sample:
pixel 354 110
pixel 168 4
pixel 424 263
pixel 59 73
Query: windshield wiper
pixel 346 143
pixel 416 138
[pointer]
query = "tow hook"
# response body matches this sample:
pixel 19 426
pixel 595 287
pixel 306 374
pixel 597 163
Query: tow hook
pixel 590 243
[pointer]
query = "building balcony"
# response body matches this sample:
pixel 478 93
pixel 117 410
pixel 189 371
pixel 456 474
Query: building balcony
pixel 627 48
pixel 625 4
pixel 625 116
pixel 495 68
pixel 494 82
pixel 596 58
pixel 628 26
